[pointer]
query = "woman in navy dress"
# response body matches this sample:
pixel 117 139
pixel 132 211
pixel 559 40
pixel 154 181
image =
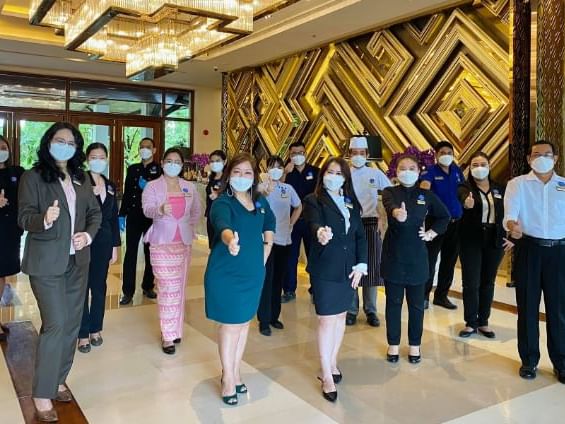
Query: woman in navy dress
pixel 10 233
pixel 243 225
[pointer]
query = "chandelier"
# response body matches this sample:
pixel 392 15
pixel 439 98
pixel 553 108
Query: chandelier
pixel 151 36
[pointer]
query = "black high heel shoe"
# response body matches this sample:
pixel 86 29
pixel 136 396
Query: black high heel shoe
pixel 177 341
pixel 230 400
pixel 337 377
pixel 415 359
pixel 329 396
pixel 393 359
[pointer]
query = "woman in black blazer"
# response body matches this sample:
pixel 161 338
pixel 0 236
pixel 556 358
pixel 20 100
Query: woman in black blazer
pixel 104 248
pixel 404 265
pixel 57 207
pixel 482 244
pixel 336 262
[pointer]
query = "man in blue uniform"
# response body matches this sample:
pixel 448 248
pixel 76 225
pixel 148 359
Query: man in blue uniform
pixel 135 222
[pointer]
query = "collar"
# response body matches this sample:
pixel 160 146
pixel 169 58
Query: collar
pixel 531 176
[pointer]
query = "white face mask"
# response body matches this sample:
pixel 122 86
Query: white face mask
pixel 4 155
pixel 275 173
pixel 445 160
pixel 542 165
pixel 97 165
pixel 172 169
pixel 217 166
pixel 480 172
pixel 241 184
pixel 358 161
pixel 408 178
pixel 145 153
pixel 298 160
pixel 333 182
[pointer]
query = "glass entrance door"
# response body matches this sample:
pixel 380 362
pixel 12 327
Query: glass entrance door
pixel 29 130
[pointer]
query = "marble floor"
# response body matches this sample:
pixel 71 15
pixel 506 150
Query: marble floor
pixel 129 379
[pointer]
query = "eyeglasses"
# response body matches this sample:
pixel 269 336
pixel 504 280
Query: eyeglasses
pixel 173 162
pixel 61 141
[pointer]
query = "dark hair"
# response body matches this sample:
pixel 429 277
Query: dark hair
pixel 94 146
pixel 542 143
pixel 440 144
pixel 273 160
pixel 222 156
pixel 408 156
pixel 237 160
pixel 296 144
pixel 346 174
pixel 173 150
pixel 46 165
pixel 5 140
pixel 148 138
pixel 478 155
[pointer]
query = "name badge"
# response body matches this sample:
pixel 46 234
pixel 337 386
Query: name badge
pixel 439 178
pixel 76 182
pixel 497 195
pixel 260 207
pixel 560 186
pixel 348 203
pixel 153 170
pixel 309 177
pixel 14 179
pixel 110 191
pixel 284 193
pixel 421 200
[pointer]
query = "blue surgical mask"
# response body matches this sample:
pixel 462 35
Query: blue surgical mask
pixel 358 161
pixel 97 165
pixel 4 155
pixel 172 169
pixel 241 184
pixel 145 153
pixel 276 173
pixel 217 167
pixel 333 182
pixel 62 151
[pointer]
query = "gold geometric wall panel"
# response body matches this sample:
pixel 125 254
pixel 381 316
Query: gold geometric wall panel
pixel 440 77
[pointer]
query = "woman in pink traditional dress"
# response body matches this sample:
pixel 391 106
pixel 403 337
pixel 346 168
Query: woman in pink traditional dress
pixel 174 206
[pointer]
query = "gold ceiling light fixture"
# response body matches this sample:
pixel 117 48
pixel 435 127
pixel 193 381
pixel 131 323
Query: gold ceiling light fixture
pixel 151 36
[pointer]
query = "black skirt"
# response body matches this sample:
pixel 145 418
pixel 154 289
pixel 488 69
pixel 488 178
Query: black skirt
pixel 10 234
pixel 374 242
pixel 331 297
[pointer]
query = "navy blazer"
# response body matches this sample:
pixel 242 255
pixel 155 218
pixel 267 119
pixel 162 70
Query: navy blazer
pixel 108 236
pixel 335 260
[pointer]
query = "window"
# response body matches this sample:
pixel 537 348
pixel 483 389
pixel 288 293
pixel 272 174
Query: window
pixel 32 92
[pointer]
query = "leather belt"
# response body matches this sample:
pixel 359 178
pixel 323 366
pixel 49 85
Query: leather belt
pixel 544 242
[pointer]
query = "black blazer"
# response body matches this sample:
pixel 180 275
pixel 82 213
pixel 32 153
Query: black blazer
pixel 47 251
pixel 108 235
pixel 404 258
pixel 470 229
pixel 137 177
pixel 9 181
pixel 334 261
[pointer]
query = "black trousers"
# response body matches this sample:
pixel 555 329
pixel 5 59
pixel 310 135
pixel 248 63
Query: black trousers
pixel 479 265
pixel 540 269
pixel 270 304
pixel 136 227
pixel 448 244
pixel 300 233
pixel 394 300
pixel 93 314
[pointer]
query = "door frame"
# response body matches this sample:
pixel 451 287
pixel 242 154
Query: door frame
pixel 30 116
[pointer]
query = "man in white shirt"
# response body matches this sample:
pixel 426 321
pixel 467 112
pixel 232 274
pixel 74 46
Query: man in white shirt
pixel 535 216
pixel 367 183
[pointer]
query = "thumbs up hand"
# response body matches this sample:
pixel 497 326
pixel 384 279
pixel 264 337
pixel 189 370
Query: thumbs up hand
pixel 166 209
pixel 233 245
pixel 469 201
pixel 3 200
pixel 52 213
pixel 400 214
pixel 325 234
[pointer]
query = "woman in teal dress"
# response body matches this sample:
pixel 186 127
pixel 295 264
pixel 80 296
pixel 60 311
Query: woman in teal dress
pixel 244 226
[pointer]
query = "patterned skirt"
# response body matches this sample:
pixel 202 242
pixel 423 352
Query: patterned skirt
pixel 374 243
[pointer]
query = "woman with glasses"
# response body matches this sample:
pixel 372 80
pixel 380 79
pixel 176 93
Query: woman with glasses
pixel 482 244
pixel 10 233
pixel 58 209
pixel 217 163
pixel 174 206
pixel 104 249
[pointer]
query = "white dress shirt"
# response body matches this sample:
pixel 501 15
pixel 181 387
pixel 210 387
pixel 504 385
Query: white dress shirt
pixel 367 182
pixel 487 201
pixel 538 207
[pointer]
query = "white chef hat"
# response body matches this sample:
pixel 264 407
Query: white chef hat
pixel 358 142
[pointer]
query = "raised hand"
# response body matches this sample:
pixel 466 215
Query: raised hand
pixel 166 209
pixel 325 234
pixel 234 246
pixel 52 213
pixel 400 214
pixel 3 200
pixel 469 201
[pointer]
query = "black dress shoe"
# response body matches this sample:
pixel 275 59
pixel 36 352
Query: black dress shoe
pixel 176 341
pixel 278 325
pixel 426 304
pixel 445 303
pixel 487 334
pixel 528 373
pixel 337 377
pixel 350 319
pixel 169 350
pixel 414 359
pixel 466 333
pixel 125 300
pixel 265 331
pixel 393 359
pixel 560 374
pixel 329 396
pixel 373 320
pixel 150 294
